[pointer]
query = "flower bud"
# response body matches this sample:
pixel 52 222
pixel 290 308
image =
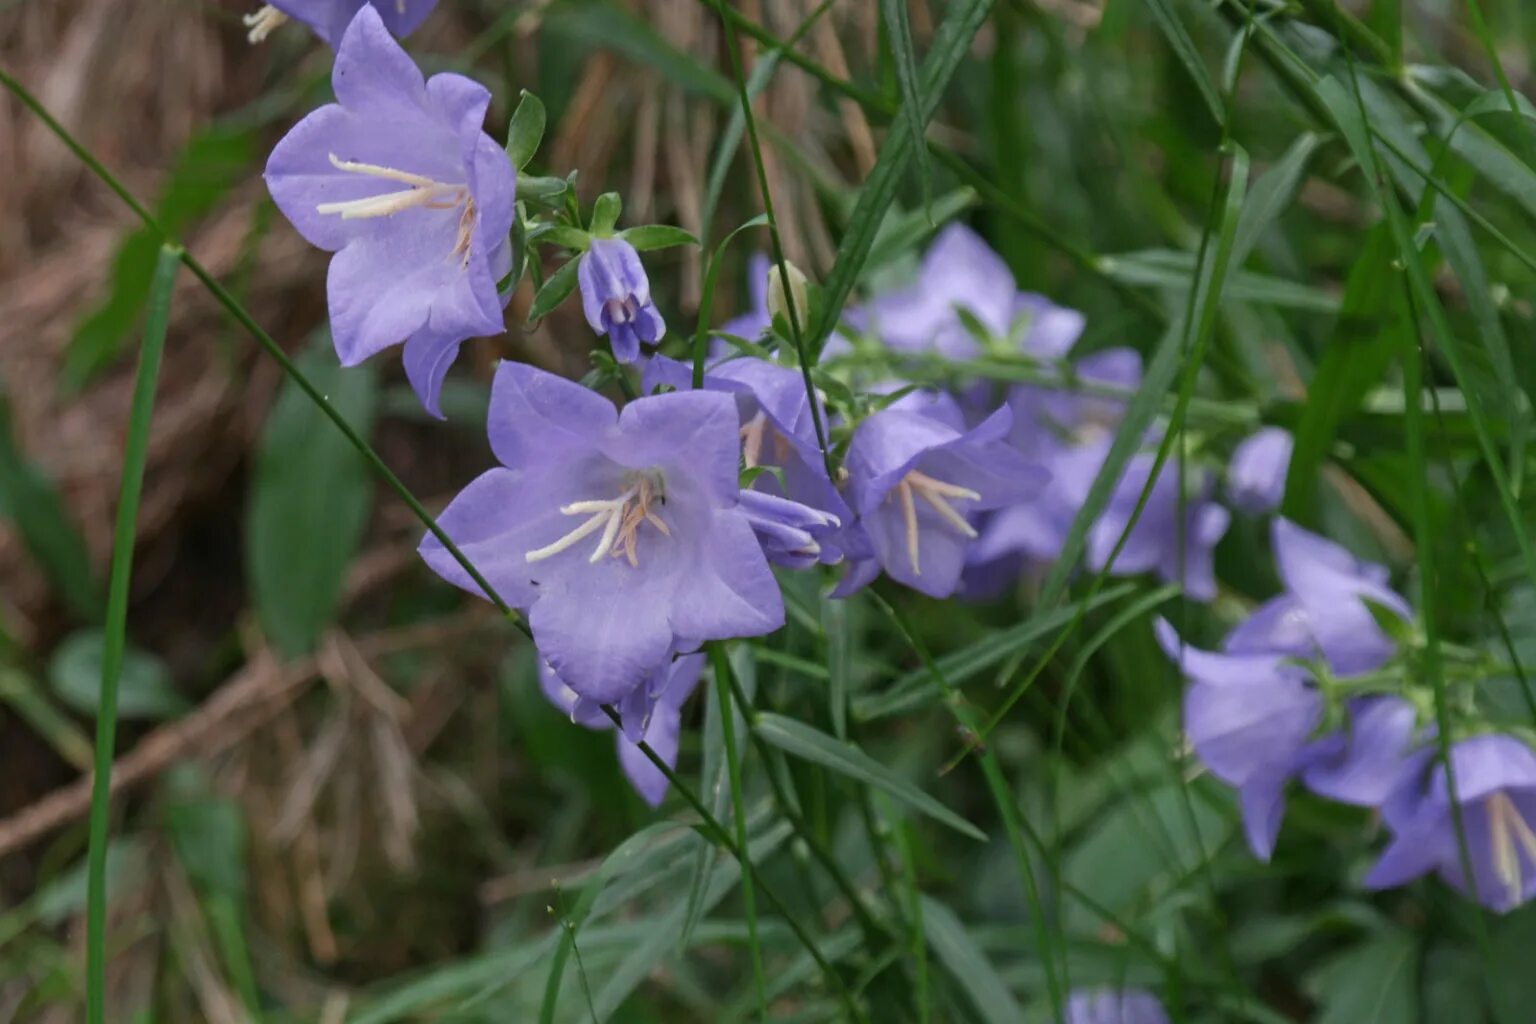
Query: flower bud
pixel 777 304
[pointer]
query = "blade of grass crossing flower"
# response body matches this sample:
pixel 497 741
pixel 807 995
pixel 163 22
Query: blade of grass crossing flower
pixel 115 630
pixel 1184 48
pixel 706 300
pixel 722 673
pixel 898 29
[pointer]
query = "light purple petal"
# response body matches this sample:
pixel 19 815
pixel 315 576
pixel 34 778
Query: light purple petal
pixel 536 415
pixel 1256 475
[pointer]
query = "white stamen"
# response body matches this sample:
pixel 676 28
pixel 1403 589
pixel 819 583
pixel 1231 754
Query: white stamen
pixel 752 439
pixel 616 517
pixel 422 192
pixel 937 495
pixel 1506 826
pixel 909 516
pixel 262 22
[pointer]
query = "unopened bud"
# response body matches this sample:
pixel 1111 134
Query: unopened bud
pixel 777 306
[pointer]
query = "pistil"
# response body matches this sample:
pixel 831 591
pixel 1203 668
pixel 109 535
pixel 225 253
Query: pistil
pixel 937 494
pixel 421 192
pixel 619 519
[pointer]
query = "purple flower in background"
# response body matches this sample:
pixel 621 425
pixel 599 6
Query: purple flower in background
pixel 1256 474
pixel 1495 778
pixel 792 535
pixel 755 320
pixel 1249 718
pixel 329 18
pixel 651 712
pixel 616 297
pixel 620 535
pixel 400 182
pixel 1367 761
pixel 1322 611
pixel 1114 1006
pixel 915 476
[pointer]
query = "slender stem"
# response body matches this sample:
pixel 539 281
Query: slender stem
pixel 116 627
pixel 722 669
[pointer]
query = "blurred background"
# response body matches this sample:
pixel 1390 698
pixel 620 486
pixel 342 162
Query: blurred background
pixel 341 795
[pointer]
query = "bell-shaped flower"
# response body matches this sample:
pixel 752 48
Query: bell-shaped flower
pixel 1114 1006
pixel 616 297
pixel 1323 611
pixel 651 713
pixel 399 181
pixel 777 434
pixel 1256 474
pixel 1495 786
pixel 621 536
pixel 1249 718
pixel 329 18
pixel 1368 760
pixel 917 477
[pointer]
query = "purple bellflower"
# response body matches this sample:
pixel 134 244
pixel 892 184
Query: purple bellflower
pixel 1256 474
pixel 329 18
pixel 916 476
pixel 1114 1006
pixel 1322 612
pixel 1495 783
pixel 616 297
pixel 1367 761
pixel 651 712
pixel 1249 718
pixel 621 536
pixel 415 200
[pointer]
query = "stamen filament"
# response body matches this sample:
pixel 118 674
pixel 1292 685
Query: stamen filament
pixel 937 495
pixel 262 22
pixel 616 517
pixel 909 516
pixel 752 440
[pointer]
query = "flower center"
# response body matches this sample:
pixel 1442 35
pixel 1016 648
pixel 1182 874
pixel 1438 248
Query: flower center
pixel 263 22
pixel 937 494
pixel 1507 827
pixel 618 518
pixel 756 431
pixel 421 191
pixel 620 311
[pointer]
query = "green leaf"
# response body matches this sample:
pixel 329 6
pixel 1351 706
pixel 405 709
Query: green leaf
pixel 815 746
pixel 968 965
pixel 1184 48
pixel 526 130
pixel 562 235
pixel 1165 268
pixel 560 284
pixel 1375 982
pixel 611 27
pixel 656 236
pixel 310 498
pixel 208 834
pixel 1511 983
pixel 548 192
pixel 144 689
pixel 30 701
pixel 1269 197
pixel 29 500
pixel 898 30
pixel 605 213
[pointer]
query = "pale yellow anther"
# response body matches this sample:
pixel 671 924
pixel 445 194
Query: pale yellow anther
pixel 421 192
pixel 619 520
pixel 262 22
pixel 937 494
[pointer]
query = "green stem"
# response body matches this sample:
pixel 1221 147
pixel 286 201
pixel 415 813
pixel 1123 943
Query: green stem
pixel 722 669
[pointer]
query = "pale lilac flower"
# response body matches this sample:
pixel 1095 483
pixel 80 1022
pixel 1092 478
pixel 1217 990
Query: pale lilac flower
pixel 1114 1006
pixel 1495 782
pixel 1256 474
pixel 1365 763
pixel 1322 612
pixel 651 713
pixel 1249 718
pixel 329 18
pixel 616 297
pixel 916 476
pixel 793 535
pixel 620 535
pixel 400 182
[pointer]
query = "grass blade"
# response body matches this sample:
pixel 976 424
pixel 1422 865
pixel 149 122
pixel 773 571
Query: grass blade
pixel 1184 48
pixel 134 456
pixel 898 29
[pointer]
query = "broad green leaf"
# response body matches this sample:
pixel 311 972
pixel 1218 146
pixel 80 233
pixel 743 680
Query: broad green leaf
pixel 1511 983
pixel 208 834
pixel 968 965
pixel 560 285
pixel 526 130
pixel 802 741
pixel 144 689
pixel 656 236
pixel 1375 982
pixel 310 497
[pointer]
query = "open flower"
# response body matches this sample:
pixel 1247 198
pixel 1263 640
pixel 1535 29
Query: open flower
pixel 916 477
pixel 616 297
pixel 1495 784
pixel 1256 474
pixel 1322 612
pixel 1367 761
pixel 1249 718
pixel 329 18
pixel 400 182
pixel 1114 1006
pixel 620 535
pixel 651 713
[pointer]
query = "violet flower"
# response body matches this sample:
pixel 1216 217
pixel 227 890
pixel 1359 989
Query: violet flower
pixel 620 535
pixel 1256 474
pixel 329 18
pixel 400 182
pixel 1249 718
pixel 915 477
pixel 616 297
pixel 1114 1006
pixel 1495 783
pixel 651 713
pixel 1366 762
pixel 1322 612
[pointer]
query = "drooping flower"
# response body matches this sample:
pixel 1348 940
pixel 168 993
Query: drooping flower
pixel 329 18
pixel 620 535
pixel 1114 1006
pixel 1367 761
pixel 415 200
pixel 651 713
pixel 916 476
pixel 1249 718
pixel 1495 786
pixel 792 535
pixel 1256 474
pixel 616 297
pixel 777 433
pixel 1323 610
